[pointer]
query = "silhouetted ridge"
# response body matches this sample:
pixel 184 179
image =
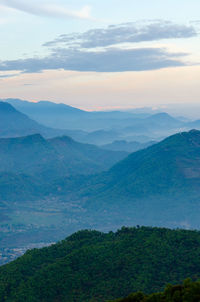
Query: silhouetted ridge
pixel 161 116
pixel 62 139
pixel 6 108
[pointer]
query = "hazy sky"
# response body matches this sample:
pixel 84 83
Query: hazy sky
pixel 100 54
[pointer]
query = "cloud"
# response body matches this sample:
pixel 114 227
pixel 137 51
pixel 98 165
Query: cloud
pixel 125 33
pixel 105 50
pixel 49 10
pixel 109 60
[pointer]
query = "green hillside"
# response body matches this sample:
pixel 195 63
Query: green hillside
pixel 94 266
pixel 187 292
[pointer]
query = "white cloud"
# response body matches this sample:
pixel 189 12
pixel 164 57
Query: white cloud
pixel 126 33
pixel 110 60
pixel 48 10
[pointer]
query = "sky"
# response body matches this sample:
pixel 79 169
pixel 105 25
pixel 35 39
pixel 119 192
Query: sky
pixel 97 55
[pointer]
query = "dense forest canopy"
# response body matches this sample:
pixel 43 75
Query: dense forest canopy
pixel 94 266
pixel 187 292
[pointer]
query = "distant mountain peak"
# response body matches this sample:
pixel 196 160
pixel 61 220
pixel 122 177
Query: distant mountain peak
pixel 161 115
pixel 62 139
pixel 6 107
pixel 34 138
pixel 194 131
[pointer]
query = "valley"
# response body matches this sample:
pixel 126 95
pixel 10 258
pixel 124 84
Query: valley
pixel 99 151
pixel 60 186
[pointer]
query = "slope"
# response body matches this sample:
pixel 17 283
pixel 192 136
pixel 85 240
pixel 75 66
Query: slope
pixel 55 158
pixel 155 186
pixel 172 163
pixel 93 266
pixel 187 291
pixel 13 123
pixel 67 117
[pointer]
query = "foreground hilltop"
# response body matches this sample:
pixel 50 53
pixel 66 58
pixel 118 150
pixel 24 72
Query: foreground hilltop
pixel 188 291
pixel 94 266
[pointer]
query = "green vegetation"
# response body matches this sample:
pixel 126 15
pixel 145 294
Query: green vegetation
pixel 187 292
pixel 158 186
pixel 94 266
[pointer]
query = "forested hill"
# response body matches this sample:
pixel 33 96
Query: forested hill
pixel 187 292
pixel 93 266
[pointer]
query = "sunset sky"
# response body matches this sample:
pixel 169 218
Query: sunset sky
pixel 101 54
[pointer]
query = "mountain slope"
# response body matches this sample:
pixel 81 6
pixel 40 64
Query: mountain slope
pixel 13 123
pixel 93 266
pixel 54 158
pixel 188 291
pixel 157 169
pixel 66 117
pixel 155 186
pixel 160 122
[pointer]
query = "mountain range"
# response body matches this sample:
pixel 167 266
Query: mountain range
pixel 52 185
pixel 53 158
pixel 156 186
pixel 67 117
pixel 101 127
pixel 13 123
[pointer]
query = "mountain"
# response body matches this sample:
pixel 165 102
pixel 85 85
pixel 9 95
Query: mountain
pixel 53 158
pixel 127 146
pixel 66 117
pixel 187 291
pixel 158 123
pixel 14 124
pixel 157 186
pixel 163 118
pixel 159 168
pixel 98 127
pixel 94 266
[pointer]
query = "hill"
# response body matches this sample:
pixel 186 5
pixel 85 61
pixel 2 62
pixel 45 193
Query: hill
pixel 93 266
pixel 13 123
pixel 67 117
pixel 158 185
pixel 53 158
pixel 155 124
pixel 99 127
pixel 188 291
